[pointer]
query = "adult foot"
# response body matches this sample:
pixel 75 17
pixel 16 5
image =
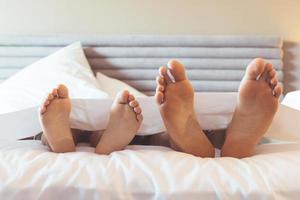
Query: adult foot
pixel 124 122
pixel 256 106
pixel 54 118
pixel 176 104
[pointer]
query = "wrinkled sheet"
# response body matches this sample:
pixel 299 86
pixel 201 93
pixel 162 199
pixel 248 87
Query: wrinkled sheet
pixel 29 171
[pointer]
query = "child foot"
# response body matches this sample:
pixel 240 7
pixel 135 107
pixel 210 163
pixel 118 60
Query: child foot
pixel 176 104
pixel 257 104
pixel 124 122
pixel 54 118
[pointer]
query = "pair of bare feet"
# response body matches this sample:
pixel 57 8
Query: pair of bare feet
pixel 257 104
pixel 125 120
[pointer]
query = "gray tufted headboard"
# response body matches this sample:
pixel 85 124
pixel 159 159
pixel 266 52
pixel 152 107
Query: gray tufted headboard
pixel 214 63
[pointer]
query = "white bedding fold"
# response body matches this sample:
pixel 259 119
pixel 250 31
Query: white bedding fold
pixel 93 114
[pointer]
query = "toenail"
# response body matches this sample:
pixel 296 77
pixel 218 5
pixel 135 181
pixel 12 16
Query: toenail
pixel 171 76
pixel 258 77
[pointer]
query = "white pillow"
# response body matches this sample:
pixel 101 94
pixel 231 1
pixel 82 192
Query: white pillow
pixel 211 112
pixel 292 99
pixel 286 123
pixel 22 94
pixel 31 85
pixel 112 86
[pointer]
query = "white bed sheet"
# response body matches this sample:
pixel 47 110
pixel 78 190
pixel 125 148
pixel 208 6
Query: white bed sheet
pixel 29 171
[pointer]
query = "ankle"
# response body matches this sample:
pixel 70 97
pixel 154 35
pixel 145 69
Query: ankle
pixel 237 149
pixel 64 147
pixel 196 144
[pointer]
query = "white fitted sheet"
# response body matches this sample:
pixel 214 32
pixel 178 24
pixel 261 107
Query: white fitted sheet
pixel 29 171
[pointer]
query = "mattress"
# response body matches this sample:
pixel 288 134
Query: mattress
pixel 29 171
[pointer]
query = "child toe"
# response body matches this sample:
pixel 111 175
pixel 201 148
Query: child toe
pixel 137 110
pixel 131 97
pixel 42 110
pixel 139 117
pixel 133 103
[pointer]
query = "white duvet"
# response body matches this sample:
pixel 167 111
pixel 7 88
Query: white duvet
pixel 29 171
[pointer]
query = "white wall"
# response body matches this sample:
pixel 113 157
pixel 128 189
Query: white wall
pixel 251 17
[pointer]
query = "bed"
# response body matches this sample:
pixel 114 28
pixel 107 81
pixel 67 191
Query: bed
pixel 29 170
pixel 215 64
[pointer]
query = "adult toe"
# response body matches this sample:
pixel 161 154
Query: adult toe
pixel 177 70
pixel 277 90
pixel 159 96
pixel 255 69
pixel 163 71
